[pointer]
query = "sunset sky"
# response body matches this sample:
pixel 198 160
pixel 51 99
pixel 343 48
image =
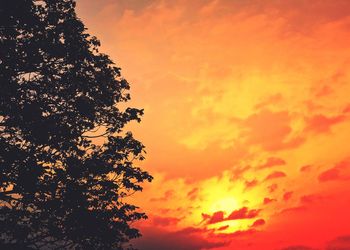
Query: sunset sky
pixel 247 118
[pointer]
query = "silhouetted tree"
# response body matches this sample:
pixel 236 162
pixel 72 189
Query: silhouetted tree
pixel 66 163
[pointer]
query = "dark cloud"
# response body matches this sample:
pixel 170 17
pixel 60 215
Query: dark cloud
pixel 298 247
pixel 165 221
pixel 303 16
pixel 185 239
pixel 275 174
pixel 305 168
pixel 338 172
pixel 272 162
pixel 238 233
pixel 243 213
pixel 293 210
pixel 192 195
pixel 216 217
pixel 219 216
pixel 321 123
pixel 312 198
pixel 93 7
pixel 287 195
pixel 272 187
pixel 258 223
pixel 251 184
pixel 339 243
pixel 329 175
pixel 223 228
pixel 268 200
pixel 136 5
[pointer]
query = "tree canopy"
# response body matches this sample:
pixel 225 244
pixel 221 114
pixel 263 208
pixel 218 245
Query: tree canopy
pixel 67 163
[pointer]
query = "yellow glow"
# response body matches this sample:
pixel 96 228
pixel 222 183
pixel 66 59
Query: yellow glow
pixel 226 205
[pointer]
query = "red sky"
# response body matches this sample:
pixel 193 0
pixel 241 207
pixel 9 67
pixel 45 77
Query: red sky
pixel 247 118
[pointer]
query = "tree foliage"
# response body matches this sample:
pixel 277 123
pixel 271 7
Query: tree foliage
pixel 66 163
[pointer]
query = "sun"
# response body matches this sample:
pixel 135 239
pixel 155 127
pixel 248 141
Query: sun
pixel 220 197
pixel 226 204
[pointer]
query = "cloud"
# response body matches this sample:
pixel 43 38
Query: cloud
pixel 223 228
pixel 239 214
pixel 321 123
pixel 311 106
pixel 346 110
pixel 238 171
pixel 292 11
pixel 270 100
pixel 298 247
pixel 238 233
pixel 251 184
pixel 312 198
pixel 258 223
pixel 165 221
pixel 243 213
pixel 324 91
pixel 268 200
pixel 166 196
pixel 272 187
pixel 270 130
pixel 192 195
pixel 287 195
pixel 216 217
pixel 321 12
pixel 306 168
pixel 272 162
pixel 340 243
pixel 275 174
pixel 339 172
pixel 329 175
pixel 297 209
pixel 184 239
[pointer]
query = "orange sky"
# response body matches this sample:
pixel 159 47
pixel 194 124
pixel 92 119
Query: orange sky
pixel 247 118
